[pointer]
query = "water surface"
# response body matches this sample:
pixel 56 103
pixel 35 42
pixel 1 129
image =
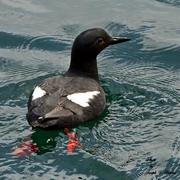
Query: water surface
pixel 138 135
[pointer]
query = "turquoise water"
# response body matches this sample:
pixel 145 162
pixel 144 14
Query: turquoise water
pixel 138 135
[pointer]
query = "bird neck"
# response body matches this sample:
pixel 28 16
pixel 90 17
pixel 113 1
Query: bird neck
pixel 84 66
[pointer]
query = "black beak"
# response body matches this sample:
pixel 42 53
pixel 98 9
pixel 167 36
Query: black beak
pixel 116 40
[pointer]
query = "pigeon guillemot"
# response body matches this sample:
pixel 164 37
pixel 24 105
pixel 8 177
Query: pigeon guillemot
pixel 75 97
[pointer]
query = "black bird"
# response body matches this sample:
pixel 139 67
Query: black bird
pixel 75 97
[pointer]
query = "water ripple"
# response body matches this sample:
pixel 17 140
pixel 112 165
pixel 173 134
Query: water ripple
pixel 170 2
pixel 30 57
pixel 143 106
pixel 138 135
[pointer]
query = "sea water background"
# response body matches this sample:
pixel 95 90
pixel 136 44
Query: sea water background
pixel 138 135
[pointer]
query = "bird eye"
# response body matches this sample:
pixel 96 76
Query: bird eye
pixel 100 41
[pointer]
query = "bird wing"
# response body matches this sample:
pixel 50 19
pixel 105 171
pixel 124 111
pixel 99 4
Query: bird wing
pixel 56 99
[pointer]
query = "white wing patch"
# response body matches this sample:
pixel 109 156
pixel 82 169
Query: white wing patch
pixel 38 92
pixel 82 98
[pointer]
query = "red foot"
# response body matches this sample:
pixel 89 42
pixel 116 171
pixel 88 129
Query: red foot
pixel 73 141
pixel 25 148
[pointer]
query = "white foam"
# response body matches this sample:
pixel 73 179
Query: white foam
pixel 38 92
pixel 82 98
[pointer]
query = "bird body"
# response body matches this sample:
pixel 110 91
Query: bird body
pixel 75 97
pixel 61 103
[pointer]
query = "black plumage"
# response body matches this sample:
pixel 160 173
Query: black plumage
pixel 51 104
